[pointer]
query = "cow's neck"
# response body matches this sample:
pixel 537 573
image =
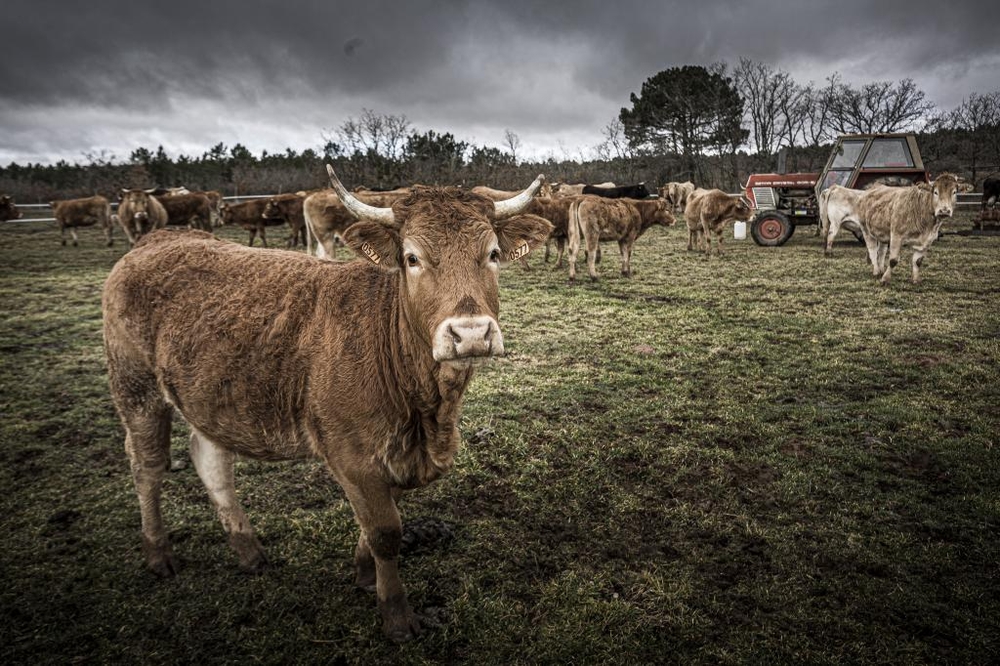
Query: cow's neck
pixel 646 216
pixel 427 400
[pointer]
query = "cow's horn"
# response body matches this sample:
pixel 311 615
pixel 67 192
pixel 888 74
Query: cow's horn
pixel 514 205
pixel 359 209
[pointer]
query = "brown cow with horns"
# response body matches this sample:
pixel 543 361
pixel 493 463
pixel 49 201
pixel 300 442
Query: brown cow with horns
pixel 362 364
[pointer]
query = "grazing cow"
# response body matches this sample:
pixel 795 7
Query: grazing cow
pixel 692 218
pixel 596 219
pixel 8 211
pixel 991 191
pixel 676 194
pixel 362 364
pixel 191 209
pixel 893 216
pixel 327 218
pixel 140 213
pixel 637 191
pixel 289 208
pixel 86 212
pixel 838 207
pixel 716 210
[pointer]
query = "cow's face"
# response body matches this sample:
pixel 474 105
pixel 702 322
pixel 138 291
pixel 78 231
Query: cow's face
pixel 743 212
pixel 225 214
pixel 271 210
pixel 447 246
pixel 663 215
pixel 944 193
pixel 137 203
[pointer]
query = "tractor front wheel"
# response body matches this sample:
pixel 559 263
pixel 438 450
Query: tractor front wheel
pixel 771 228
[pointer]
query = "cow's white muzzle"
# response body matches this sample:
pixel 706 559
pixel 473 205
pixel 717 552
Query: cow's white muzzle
pixel 464 338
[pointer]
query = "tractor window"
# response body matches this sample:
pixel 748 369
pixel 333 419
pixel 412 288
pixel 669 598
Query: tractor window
pixel 836 178
pixel 847 154
pixel 887 153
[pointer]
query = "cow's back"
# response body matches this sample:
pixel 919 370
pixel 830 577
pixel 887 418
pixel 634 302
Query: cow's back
pixel 904 211
pixel 220 327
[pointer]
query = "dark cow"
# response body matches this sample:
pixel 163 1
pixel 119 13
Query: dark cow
pixel 8 211
pixel 991 191
pixel 595 219
pixel 86 212
pixel 140 213
pixel 556 211
pixel 250 216
pixel 637 191
pixel 191 209
pixel 289 208
pixel 362 364
pixel 893 216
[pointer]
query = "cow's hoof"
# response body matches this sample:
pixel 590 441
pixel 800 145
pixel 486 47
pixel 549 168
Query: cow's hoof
pixel 250 553
pixel 402 629
pixel 160 559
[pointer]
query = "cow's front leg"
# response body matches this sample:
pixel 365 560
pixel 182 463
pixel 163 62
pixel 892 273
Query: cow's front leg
pixel 376 513
pixel 895 246
pixel 917 261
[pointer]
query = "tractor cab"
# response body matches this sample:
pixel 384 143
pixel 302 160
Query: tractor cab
pixel 785 201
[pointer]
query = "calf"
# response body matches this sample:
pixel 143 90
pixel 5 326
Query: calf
pixel 594 219
pixel 8 211
pixel 893 216
pixel 250 216
pixel 140 213
pixel 86 212
pixel 362 364
pixel 289 208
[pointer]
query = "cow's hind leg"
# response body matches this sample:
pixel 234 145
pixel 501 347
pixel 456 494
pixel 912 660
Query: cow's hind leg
pixel 215 468
pixel 147 442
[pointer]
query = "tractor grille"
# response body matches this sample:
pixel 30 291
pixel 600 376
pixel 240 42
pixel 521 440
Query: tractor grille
pixel 765 198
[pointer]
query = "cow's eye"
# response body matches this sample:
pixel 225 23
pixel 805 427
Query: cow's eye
pixel 411 260
pixel 495 255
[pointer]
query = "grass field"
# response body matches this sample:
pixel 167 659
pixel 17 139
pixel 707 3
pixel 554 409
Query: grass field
pixel 763 458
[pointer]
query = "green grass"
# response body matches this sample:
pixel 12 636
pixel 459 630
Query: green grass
pixel 763 458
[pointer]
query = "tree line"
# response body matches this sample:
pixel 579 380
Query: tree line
pixel 712 124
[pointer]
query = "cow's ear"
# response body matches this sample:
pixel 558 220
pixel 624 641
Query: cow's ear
pixel 375 242
pixel 520 235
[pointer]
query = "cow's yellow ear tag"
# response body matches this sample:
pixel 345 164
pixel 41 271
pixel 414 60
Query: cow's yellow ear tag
pixel 371 253
pixel 519 251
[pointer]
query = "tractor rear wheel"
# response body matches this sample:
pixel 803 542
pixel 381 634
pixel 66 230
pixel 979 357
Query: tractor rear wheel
pixel 771 228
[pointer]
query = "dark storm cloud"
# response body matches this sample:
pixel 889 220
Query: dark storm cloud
pixel 194 73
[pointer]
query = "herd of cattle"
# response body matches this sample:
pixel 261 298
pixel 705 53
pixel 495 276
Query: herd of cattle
pixel 582 216
pixel 362 364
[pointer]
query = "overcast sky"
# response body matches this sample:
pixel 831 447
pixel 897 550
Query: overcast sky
pixel 110 76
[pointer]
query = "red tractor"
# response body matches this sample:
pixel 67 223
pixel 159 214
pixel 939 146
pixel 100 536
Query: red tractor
pixel 786 200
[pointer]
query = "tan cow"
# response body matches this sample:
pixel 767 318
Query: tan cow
pixel 86 212
pixel 594 219
pixel 288 207
pixel 893 216
pixel 327 218
pixel 676 194
pixel 361 364
pixel 692 218
pixel 715 210
pixel 575 190
pixel 140 213
pixel 556 211
pixel 838 207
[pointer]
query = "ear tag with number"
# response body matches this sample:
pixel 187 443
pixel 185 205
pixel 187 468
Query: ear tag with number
pixel 519 251
pixel 371 253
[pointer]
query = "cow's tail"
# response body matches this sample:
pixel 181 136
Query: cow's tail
pixel 824 214
pixel 311 236
pixel 573 232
